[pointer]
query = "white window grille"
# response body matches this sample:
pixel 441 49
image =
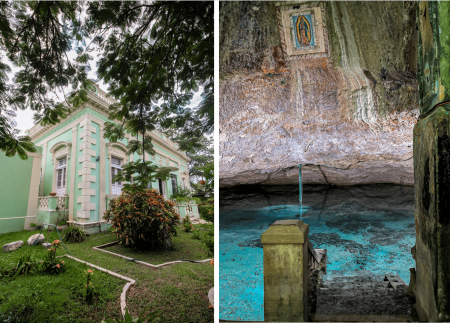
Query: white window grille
pixel 116 167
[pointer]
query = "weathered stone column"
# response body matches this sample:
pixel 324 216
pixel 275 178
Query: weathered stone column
pixel 286 271
pixel 432 164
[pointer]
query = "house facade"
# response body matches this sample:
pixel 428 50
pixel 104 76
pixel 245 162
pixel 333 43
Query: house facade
pixel 78 164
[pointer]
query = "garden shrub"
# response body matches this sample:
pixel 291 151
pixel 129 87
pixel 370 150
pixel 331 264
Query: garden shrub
pixel 51 264
pixel 206 236
pixel 206 210
pixel 73 234
pixel 187 224
pixel 26 264
pixel 208 239
pixel 143 219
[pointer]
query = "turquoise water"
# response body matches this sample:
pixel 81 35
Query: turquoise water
pixel 357 235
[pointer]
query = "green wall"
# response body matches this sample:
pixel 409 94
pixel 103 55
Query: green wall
pixel 15 190
pixel 67 136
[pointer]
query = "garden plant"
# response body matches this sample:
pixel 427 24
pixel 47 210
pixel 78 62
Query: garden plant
pixel 187 224
pixel 143 219
pixel 73 234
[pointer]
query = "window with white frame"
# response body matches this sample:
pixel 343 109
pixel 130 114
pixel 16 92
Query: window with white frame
pixel 61 170
pixel 116 167
pixel 162 187
pixel 173 177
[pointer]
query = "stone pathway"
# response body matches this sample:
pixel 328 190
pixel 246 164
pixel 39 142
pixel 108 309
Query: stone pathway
pixel 197 221
pixel 353 296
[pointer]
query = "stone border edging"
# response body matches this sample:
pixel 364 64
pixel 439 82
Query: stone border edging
pixel 123 296
pixel 99 248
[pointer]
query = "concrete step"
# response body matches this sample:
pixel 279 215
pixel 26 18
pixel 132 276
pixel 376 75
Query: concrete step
pixel 361 296
pixel 354 285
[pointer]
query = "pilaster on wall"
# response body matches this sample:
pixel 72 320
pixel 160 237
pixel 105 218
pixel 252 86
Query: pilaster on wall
pixel 73 172
pixel 102 173
pixel 44 156
pixel 86 178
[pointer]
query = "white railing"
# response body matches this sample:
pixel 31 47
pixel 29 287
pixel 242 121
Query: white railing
pixel 43 203
pixel 62 202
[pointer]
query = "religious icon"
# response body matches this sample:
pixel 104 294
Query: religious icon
pixel 303 29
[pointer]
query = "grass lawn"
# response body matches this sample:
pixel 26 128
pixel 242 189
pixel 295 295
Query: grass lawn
pixel 179 292
pixel 184 247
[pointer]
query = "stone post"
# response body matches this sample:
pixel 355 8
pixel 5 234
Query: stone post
pixel 286 273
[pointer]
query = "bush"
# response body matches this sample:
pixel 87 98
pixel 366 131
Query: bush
pixel 143 219
pixel 206 236
pixel 73 234
pixel 187 225
pixel 208 239
pixel 207 210
pixel 26 264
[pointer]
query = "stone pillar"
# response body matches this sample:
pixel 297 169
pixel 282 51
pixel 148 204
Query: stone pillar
pixel 432 215
pixel 73 170
pixel 432 164
pixel 286 273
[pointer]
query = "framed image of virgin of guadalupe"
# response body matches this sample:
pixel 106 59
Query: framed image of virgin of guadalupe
pixel 303 31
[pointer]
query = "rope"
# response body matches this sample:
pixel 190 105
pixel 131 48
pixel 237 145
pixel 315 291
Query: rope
pixel 60 239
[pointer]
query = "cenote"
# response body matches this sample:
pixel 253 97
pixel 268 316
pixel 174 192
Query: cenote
pixel 369 227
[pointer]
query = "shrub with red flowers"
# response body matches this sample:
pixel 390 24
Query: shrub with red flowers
pixel 207 210
pixel 143 219
pixel 187 224
pixel 51 264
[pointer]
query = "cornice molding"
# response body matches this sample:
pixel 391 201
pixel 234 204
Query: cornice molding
pixel 100 105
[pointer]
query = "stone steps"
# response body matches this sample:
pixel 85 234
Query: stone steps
pixel 360 296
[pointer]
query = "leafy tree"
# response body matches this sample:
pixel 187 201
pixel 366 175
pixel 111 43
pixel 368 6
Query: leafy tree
pixel 154 57
pixel 36 37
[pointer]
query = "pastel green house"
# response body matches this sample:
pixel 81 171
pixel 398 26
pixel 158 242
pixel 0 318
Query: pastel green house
pixel 78 164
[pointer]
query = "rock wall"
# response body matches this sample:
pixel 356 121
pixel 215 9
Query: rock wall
pixel 346 115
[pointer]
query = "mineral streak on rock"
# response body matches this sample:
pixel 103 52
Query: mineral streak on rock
pixel 348 116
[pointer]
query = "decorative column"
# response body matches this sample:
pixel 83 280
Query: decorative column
pixel 44 156
pixel 102 173
pixel 286 276
pixel 84 199
pixel 73 165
